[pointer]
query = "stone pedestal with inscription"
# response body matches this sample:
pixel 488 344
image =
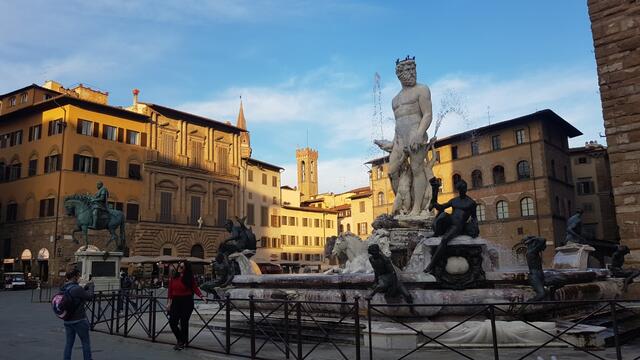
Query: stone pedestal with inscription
pixel 102 267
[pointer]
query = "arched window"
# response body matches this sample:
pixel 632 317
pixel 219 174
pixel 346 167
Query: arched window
pixel 502 210
pixel 481 212
pixel 197 251
pixel 303 170
pixel 498 175
pixel 455 179
pixel 526 207
pixel 523 170
pixel 311 171
pixel 380 172
pixel 476 178
pixel 380 198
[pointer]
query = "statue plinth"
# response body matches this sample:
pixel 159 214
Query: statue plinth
pixel 572 256
pixel 102 267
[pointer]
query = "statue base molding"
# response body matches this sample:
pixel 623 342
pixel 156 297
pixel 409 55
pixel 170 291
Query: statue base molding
pixel 102 267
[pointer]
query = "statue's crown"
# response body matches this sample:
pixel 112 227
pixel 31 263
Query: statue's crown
pixel 407 59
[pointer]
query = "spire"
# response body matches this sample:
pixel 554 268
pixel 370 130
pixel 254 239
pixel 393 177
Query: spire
pixel 242 123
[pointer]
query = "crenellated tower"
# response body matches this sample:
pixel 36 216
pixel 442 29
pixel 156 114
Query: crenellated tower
pixel 307 160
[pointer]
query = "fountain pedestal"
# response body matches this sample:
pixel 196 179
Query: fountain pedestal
pixel 572 256
pixel 462 266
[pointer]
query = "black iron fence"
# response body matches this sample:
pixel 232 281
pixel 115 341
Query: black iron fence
pixel 290 329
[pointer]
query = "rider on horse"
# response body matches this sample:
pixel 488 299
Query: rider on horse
pixel 99 203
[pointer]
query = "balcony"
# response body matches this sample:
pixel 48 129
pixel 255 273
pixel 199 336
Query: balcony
pixel 154 156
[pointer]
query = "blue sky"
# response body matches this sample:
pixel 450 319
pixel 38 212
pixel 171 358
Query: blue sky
pixel 307 67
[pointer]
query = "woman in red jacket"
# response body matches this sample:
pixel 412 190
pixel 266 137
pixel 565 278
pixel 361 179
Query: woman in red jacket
pixel 180 302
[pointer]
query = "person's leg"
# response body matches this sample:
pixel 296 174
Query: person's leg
pixel 70 339
pixel 184 321
pixel 174 318
pixel 82 328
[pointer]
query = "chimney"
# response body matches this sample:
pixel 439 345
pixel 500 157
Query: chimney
pixel 135 96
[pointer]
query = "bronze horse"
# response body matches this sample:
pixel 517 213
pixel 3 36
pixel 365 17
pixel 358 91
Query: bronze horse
pixel 79 205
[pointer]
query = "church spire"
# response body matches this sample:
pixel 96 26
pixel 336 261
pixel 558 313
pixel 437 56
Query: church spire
pixel 242 123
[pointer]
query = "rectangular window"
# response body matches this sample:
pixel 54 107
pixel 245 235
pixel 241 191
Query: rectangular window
pixel 110 168
pixel 520 136
pixel 495 142
pixel 33 167
pixel 165 206
pixel 362 228
pixel 264 216
pixel 85 127
pixel 52 163
pixel 274 221
pixel 283 220
pixel 12 212
pixel 316 223
pixel 55 127
pixel 274 181
pixel 167 251
pixel 15 138
pixel 85 164
pixel 133 211
pixel 197 151
pixel 475 148
pixel 116 205
pixel 264 179
pixel 251 214
pixel 362 206
pixel 12 101
pixel 24 98
pixel 250 175
pixel 438 156
pixel 316 241
pixel 304 222
pixel 134 172
pixel 15 171
pixel 35 132
pixel 167 146
pixel 585 186
pixel 133 137
pixel 292 221
pixel 109 132
pixel 47 207
pixel 454 152
pixel 4 141
pixel 196 203
pixel 222 211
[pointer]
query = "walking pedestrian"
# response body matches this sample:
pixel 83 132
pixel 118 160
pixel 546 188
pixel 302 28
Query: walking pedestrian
pixel 182 286
pixel 76 323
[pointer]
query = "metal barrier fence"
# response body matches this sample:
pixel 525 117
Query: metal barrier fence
pixel 277 329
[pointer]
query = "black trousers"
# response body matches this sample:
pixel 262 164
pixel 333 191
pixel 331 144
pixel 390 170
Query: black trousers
pixel 179 314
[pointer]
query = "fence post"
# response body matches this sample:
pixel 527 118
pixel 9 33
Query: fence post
pixel 227 330
pixel 93 312
pixel 286 328
pixel 126 314
pixel 151 315
pixel 252 326
pixel 356 309
pixel 616 338
pixel 153 308
pixel 113 305
pixel 118 314
pixel 369 328
pixel 299 330
pixel 492 311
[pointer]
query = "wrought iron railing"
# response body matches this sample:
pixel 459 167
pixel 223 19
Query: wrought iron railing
pixel 277 329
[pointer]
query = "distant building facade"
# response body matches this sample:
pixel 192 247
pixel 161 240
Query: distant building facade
pixel 594 194
pixel 519 172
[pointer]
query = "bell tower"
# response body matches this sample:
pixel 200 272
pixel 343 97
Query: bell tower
pixel 307 160
pixel 245 139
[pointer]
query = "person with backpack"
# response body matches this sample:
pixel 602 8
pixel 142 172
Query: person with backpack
pixel 182 286
pixel 74 315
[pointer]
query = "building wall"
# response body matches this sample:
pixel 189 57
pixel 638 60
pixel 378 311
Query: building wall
pixel 615 30
pixel 590 167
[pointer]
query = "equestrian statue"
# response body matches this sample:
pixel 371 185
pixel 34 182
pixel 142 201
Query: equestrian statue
pixel 92 212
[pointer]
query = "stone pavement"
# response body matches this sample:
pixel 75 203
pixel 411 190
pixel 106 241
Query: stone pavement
pixel 31 331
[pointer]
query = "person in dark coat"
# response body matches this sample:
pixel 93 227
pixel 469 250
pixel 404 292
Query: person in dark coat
pixel 76 323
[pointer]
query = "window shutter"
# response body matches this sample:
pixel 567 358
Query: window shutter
pixel 104 131
pixel 96 129
pixel 76 162
pixel 31 133
pixel 50 127
pixel 50 207
pixel 120 134
pixel 143 139
pixel 79 127
pixel 46 164
pixel 58 162
pixel 42 207
pixel 94 166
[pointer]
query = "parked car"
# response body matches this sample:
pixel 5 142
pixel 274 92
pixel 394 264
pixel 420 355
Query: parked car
pixel 14 280
pixel 268 268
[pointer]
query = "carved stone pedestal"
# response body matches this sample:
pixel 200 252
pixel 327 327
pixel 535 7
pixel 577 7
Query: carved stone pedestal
pixel 572 256
pixel 102 266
